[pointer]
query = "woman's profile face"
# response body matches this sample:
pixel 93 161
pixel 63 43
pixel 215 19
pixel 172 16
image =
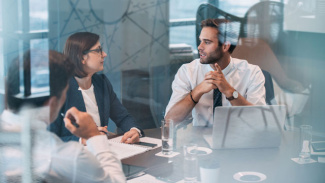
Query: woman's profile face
pixel 94 60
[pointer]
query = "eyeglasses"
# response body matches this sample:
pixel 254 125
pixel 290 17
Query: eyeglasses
pixel 98 50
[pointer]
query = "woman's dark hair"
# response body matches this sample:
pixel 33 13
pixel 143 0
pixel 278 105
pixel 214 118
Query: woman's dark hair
pixel 223 34
pixel 74 47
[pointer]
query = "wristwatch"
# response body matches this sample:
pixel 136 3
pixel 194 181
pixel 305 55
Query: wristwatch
pixel 234 96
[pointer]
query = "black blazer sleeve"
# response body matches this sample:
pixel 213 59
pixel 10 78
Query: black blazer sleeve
pixel 118 113
pixel 73 99
pixel 58 127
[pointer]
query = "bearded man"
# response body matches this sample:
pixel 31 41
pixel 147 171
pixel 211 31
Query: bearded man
pixel 216 79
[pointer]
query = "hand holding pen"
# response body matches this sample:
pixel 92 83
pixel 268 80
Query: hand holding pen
pixel 86 126
pixel 73 121
pixel 103 130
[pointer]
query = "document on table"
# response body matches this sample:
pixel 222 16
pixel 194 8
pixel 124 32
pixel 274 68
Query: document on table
pixel 145 178
pixel 124 151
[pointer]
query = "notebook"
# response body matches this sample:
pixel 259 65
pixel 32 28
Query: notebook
pixel 247 127
pixel 318 148
pixel 124 151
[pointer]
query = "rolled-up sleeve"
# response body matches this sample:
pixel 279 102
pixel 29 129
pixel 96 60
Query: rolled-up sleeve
pixel 256 89
pixel 180 87
pixel 72 162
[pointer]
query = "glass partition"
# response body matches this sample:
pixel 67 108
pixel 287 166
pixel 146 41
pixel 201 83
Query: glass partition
pixel 136 64
pixel 147 41
pixel 280 31
pixel 38 15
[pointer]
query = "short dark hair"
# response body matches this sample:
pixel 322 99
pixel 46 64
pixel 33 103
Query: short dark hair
pixel 60 71
pixel 74 47
pixel 224 34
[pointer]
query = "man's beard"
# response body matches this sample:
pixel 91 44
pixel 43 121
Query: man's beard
pixel 215 57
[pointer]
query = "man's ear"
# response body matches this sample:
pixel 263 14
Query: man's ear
pixel 53 102
pixel 226 46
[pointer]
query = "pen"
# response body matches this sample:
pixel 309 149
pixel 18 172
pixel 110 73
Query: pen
pixel 74 123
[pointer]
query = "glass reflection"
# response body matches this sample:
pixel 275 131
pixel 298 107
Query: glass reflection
pixel 38 15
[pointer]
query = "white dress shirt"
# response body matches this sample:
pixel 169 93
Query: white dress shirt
pixel 56 161
pixel 246 78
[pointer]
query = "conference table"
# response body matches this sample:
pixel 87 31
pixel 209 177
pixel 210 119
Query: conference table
pixel 274 163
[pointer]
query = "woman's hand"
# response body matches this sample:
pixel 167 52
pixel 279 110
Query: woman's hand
pixel 131 137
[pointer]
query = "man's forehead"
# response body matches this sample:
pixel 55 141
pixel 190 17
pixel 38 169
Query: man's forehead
pixel 209 33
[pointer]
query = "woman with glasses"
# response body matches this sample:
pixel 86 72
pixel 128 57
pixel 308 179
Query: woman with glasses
pixel 92 92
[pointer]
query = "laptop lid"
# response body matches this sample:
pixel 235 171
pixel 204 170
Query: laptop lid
pixel 247 126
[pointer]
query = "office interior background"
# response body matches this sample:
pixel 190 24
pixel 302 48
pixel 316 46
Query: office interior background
pixel 148 40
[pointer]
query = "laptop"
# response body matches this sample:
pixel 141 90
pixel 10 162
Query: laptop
pixel 247 127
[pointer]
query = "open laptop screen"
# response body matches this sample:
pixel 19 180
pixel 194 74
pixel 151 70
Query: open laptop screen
pixel 247 126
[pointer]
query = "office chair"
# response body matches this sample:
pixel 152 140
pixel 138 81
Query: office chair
pixel 261 43
pixel 269 90
pixel 264 21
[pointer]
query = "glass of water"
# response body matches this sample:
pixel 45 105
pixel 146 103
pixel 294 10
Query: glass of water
pixel 167 134
pixel 190 163
pixel 305 140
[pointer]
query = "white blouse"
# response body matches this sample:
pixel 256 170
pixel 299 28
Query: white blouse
pixel 90 103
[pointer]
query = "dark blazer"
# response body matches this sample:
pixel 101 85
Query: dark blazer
pixel 108 107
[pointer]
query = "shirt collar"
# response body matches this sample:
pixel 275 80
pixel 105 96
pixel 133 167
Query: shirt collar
pixel 13 122
pixel 226 70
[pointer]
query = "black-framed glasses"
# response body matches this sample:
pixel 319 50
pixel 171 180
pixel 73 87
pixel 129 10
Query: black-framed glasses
pixel 98 50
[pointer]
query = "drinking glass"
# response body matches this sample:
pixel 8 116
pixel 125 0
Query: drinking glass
pixel 305 140
pixel 190 163
pixel 167 134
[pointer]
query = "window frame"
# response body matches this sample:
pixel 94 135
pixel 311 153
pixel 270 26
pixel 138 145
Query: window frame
pixel 15 34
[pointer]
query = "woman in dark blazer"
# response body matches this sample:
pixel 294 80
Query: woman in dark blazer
pixel 91 92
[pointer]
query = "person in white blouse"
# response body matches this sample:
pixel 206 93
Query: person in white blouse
pixel 54 160
pixel 239 82
pixel 92 92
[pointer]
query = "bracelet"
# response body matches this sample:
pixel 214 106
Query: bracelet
pixel 192 97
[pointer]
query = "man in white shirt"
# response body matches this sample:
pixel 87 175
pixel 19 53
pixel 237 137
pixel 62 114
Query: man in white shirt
pixel 195 85
pixel 52 159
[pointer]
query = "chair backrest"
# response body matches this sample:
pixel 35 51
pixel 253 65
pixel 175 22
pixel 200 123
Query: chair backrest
pixel 264 21
pixel 269 90
pixel 206 11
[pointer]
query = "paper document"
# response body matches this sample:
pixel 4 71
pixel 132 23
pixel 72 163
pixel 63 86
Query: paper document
pixel 318 146
pixel 124 151
pixel 316 153
pixel 145 178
